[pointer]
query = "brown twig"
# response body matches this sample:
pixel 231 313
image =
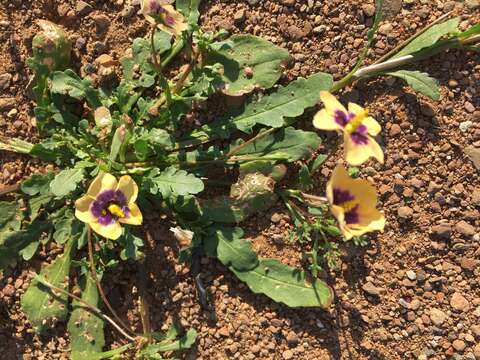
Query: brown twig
pixel 99 286
pixel 9 189
pixel 142 289
pixel 252 140
pixel 89 306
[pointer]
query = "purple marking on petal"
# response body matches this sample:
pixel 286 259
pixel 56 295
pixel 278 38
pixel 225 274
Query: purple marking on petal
pixel 99 208
pixel 359 138
pixel 156 8
pixel 342 196
pixel 169 20
pixel 126 211
pixel 341 118
pixel 351 217
pixel 106 219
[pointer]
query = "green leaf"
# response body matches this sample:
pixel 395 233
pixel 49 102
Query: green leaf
pixel 304 178
pixel 189 9
pixel 252 193
pixel 69 83
pixel 474 30
pixel 12 243
pixel 420 82
pixel 10 219
pixel 288 102
pixel 429 37
pixel 29 251
pixel 39 303
pixel 287 285
pixel 174 181
pixel 37 184
pixel 319 160
pixel 67 227
pixel 229 246
pixel 132 245
pixel 36 203
pixel 249 62
pixel 284 145
pixel 66 181
pixel 85 328
pixel 271 110
pixel 184 343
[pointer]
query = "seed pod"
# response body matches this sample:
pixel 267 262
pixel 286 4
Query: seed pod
pixel 51 46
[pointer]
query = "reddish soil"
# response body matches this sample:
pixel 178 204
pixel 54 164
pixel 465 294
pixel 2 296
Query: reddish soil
pixel 412 293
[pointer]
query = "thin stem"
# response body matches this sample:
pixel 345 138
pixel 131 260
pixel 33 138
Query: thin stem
pixel 252 140
pixel 89 306
pixel 314 254
pixel 411 38
pixel 158 68
pixel 320 199
pixel 99 286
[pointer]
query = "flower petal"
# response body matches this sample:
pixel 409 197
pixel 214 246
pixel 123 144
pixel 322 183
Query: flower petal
pixel 82 209
pixel 331 103
pixel 135 216
pixel 103 181
pixel 179 24
pixel 372 125
pixel 324 121
pixel 339 180
pixel 357 154
pixel 112 231
pixel 128 187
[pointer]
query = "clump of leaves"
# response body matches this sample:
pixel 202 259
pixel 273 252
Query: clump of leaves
pixel 133 124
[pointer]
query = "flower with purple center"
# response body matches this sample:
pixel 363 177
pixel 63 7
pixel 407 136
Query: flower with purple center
pixel 108 204
pixel 162 13
pixel 358 128
pixel 353 203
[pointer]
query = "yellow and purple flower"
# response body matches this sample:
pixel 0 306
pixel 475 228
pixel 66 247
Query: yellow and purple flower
pixel 169 19
pixel 109 203
pixel 358 128
pixel 353 203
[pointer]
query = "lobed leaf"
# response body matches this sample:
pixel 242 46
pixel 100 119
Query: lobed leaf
pixel 40 304
pixel 189 9
pixel 85 328
pixel 37 184
pixel 66 181
pixel 287 285
pixel 420 82
pixel 69 83
pixel 249 62
pixel 229 246
pixel 173 181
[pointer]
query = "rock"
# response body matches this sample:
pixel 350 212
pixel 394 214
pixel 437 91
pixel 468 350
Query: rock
pixel 465 228
pixel 292 339
pixel 83 8
pixel 371 289
pixel 465 126
pixel 102 22
pixel 459 303
pixel 468 264
pixel 395 130
pixel 7 103
pixel 405 212
pixel 223 331
pixel 411 275
pixel 5 80
pixel 287 355
pixel 469 107
pixel 476 330
pixel 288 2
pixel 452 83
pixel 459 345
pixel 239 16
pixel 443 231
pixel 80 43
pixel 437 316
pixel 276 218
pixel 476 197
pixel 472 4
pixel 385 29
pixel 391 8
pixel 427 110
pixel 474 154
pixel 368 10
pixel 476 351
